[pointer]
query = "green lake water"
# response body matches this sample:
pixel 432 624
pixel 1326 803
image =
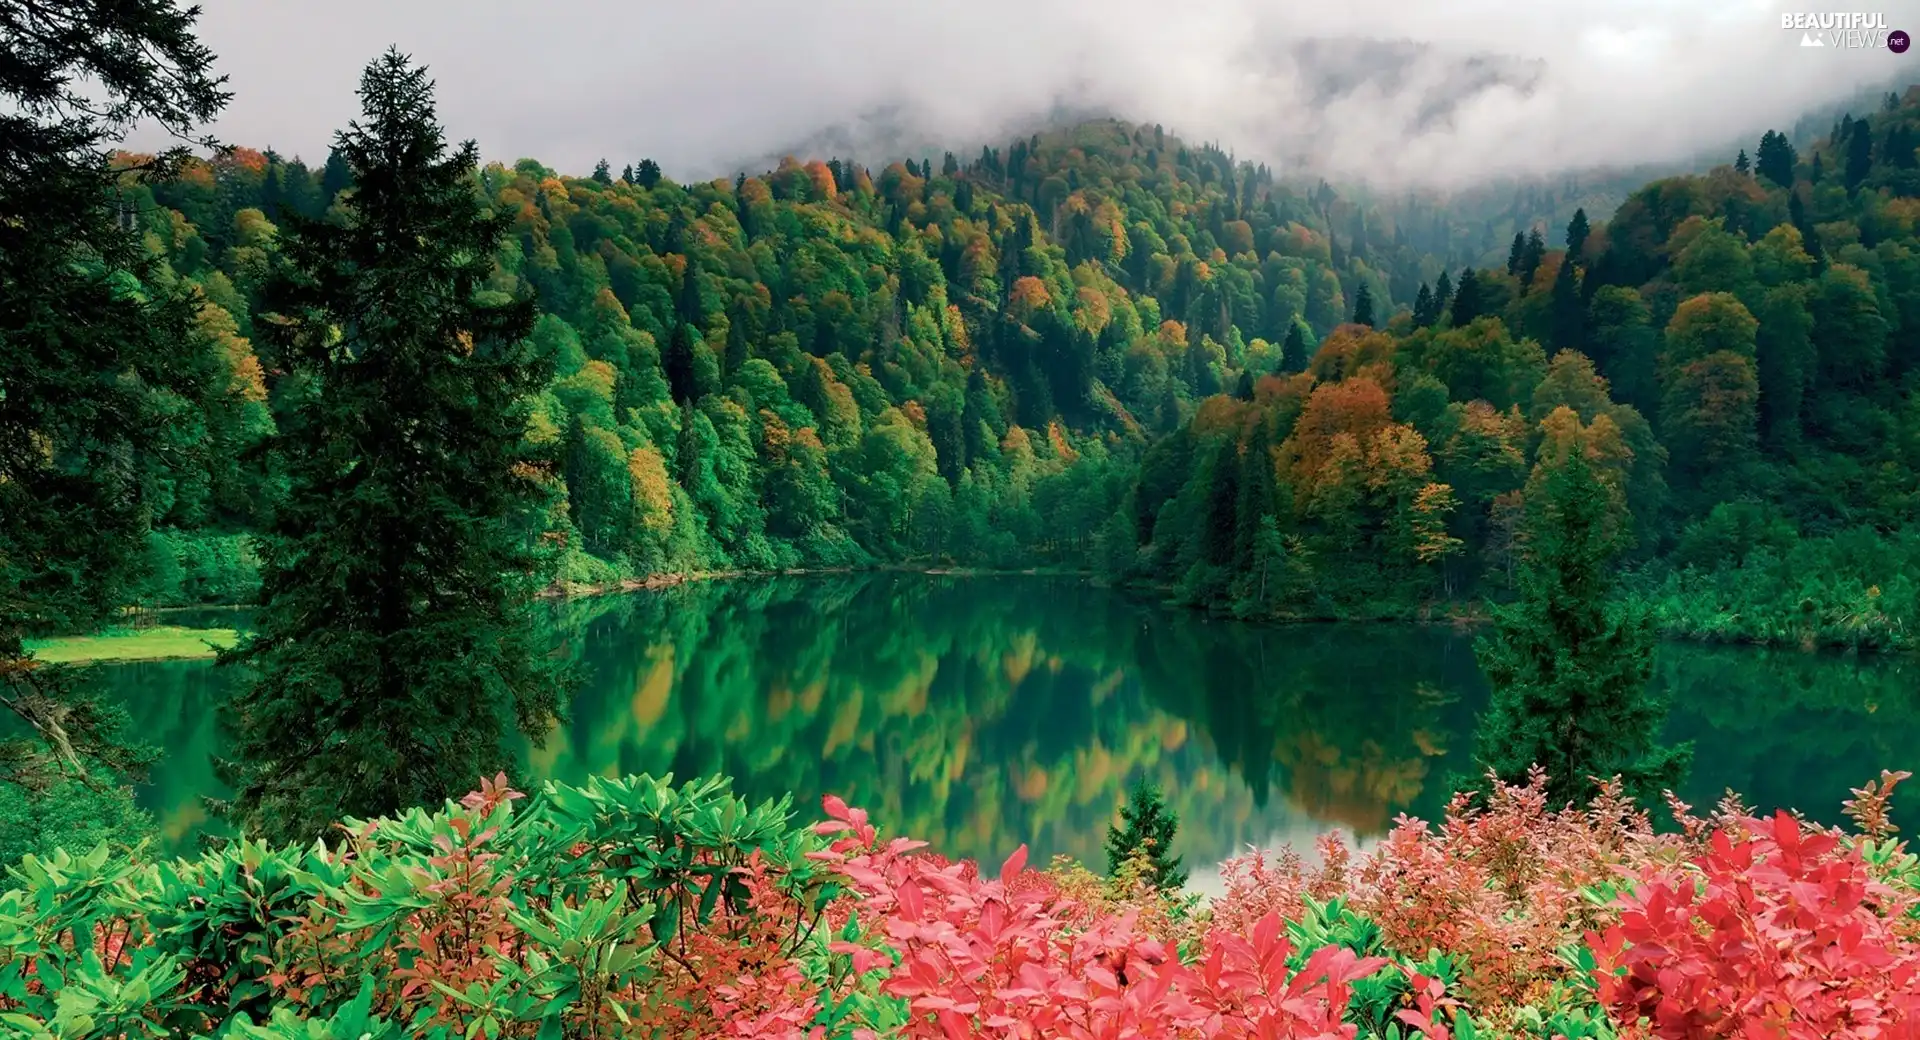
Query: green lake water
pixel 978 713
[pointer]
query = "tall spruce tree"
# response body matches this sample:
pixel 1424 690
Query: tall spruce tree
pixel 1566 308
pixel 1568 665
pixel 1775 159
pixel 395 641
pixel 1577 232
pixel 1531 259
pixel 91 351
pixel 1147 827
pixel 1859 154
pixel 1293 350
pixel 1466 300
pixel 1363 306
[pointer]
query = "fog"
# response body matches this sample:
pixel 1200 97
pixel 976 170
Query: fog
pixel 1435 94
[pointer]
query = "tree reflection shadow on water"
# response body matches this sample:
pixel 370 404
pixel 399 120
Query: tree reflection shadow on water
pixel 981 712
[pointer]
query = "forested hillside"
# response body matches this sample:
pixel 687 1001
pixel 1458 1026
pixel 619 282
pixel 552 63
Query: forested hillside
pixel 1278 400
pixel 822 365
pixel 1740 348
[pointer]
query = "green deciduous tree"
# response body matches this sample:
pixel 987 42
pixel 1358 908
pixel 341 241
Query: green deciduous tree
pixel 395 644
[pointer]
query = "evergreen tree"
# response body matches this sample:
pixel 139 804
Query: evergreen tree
pixel 1466 300
pixel 1859 155
pixel 1577 231
pixel 273 191
pixel 1775 159
pixel 602 173
pixel 1293 351
pixel 1809 237
pixel 1147 828
pixel 395 640
pixel 626 175
pixel 96 354
pixel 1516 252
pixel 1532 258
pixel 1566 308
pixel 1442 297
pixel 1363 306
pixel 1423 306
pixel 1568 666
pixel 1740 163
pixel 1243 387
pixel 334 179
pixel 647 174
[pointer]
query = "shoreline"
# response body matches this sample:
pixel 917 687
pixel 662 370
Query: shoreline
pixel 176 643
pixel 673 579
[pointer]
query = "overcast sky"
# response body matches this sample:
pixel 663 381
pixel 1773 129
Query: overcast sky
pixel 1436 92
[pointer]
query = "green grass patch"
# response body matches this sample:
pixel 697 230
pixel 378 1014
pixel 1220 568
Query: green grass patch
pixel 159 643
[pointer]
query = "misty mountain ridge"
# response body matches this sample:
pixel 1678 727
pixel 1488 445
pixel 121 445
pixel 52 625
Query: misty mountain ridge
pixel 1416 88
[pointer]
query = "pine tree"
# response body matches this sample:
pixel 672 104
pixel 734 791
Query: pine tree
pixel 1363 306
pixel 1442 297
pixel 1568 666
pixel 1809 236
pixel 1532 258
pixel 1423 306
pixel 602 173
pixel 273 189
pixel 647 174
pixel 626 175
pixel 1518 250
pixel 1740 163
pixel 1466 300
pixel 1577 231
pixel 334 179
pixel 1859 155
pixel 395 641
pixel 1293 351
pixel 95 353
pixel 1146 828
pixel 1566 308
pixel 1775 159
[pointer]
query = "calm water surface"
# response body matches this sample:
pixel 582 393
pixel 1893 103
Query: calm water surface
pixel 979 713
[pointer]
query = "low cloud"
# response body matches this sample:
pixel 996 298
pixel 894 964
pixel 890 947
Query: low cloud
pixel 1436 94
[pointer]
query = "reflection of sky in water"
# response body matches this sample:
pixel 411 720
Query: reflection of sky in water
pixel 982 713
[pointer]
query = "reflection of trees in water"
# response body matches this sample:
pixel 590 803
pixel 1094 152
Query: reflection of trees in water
pixel 1794 729
pixel 979 713
pixel 1347 721
pixel 175 706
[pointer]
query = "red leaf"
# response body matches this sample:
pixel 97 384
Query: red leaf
pixel 1014 864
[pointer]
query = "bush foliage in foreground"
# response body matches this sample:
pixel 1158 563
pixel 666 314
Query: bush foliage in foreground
pixel 633 908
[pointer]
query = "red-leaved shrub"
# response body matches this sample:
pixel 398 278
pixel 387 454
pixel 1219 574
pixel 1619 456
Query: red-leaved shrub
pixel 1776 931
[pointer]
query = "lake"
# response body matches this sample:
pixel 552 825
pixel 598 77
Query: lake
pixel 981 712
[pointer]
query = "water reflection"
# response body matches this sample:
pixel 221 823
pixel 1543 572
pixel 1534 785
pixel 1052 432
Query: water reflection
pixel 978 713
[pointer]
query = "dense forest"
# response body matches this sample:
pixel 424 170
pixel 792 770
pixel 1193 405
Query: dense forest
pixel 392 399
pixel 1103 347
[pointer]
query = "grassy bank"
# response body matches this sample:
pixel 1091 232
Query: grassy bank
pixel 159 643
